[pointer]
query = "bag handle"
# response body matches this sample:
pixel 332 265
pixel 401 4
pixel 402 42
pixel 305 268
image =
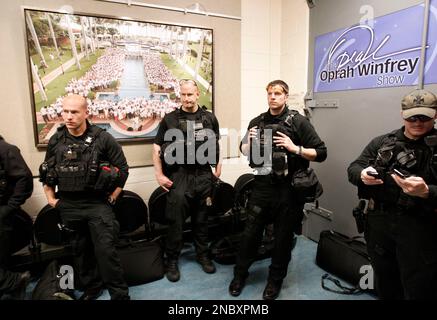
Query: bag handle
pixel 348 239
pixel 343 289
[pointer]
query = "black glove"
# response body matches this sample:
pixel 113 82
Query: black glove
pixel 5 211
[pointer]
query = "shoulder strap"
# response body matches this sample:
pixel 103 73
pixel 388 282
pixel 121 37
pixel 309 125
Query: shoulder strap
pixel 261 124
pixel 389 142
pixel 60 133
pixel 342 289
pixel 204 116
pixel 93 133
pixel 289 119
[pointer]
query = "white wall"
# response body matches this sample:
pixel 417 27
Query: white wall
pixel 274 45
pixel 294 49
pixel 260 54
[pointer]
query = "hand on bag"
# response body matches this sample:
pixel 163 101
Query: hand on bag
pixel 164 182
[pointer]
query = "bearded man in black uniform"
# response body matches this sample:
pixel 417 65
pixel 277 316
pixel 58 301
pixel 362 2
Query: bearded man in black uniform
pixel 185 148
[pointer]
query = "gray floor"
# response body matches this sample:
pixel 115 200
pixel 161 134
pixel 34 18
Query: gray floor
pixel 302 282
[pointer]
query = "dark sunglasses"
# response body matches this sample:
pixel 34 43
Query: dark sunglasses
pixel 421 118
pixel 182 81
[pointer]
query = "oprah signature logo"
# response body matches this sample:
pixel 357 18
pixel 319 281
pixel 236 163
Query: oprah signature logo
pixel 357 58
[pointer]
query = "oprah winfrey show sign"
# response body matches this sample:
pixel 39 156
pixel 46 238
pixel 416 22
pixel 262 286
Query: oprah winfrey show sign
pixel 383 53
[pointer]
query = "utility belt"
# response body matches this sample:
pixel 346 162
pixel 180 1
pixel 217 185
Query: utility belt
pixel 81 195
pixel 360 212
pixel 378 205
pixel 193 169
pixel 391 207
pixel 99 177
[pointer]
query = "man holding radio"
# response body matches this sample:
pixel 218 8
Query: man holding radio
pixel 279 143
pixel 397 173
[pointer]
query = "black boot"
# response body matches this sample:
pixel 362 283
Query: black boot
pixel 272 290
pixel 172 272
pixel 236 286
pixel 206 263
pixel 92 293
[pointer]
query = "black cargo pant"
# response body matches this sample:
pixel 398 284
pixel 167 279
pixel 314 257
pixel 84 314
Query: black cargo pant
pixel 8 279
pixel 270 201
pixel 403 250
pixel 187 197
pixel 96 259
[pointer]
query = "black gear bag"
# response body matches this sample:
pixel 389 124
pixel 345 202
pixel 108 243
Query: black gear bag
pixel 306 186
pixel 142 260
pixel 48 286
pixel 343 257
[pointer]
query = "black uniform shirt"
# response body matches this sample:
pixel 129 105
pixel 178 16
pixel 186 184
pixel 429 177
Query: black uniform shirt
pixel 18 175
pixel 171 121
pixel 422 169
pixel 305 136
pixel 108 148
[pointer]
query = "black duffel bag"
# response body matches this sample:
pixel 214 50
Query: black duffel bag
pixel 306 186
pixel 342 257
pixel 49 285
pixel 142 261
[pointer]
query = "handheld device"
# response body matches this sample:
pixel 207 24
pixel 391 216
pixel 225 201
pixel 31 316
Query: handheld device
pixel 400 174
pixel 373 174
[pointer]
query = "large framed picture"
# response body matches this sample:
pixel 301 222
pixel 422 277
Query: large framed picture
pixel 129 71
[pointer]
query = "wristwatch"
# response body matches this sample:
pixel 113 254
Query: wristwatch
pixel 299 152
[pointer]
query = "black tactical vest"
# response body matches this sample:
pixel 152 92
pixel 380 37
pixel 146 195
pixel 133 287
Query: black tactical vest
pixel 397 154
pixel 194 137
pixel 77 164
pixel 279 157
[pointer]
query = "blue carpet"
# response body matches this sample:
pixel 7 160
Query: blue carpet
pixel 301 283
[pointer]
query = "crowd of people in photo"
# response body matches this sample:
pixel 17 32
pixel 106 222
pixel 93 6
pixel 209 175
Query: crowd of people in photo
pixel 129 108
pixel 109 68
pixel 106 70
pixel 158 74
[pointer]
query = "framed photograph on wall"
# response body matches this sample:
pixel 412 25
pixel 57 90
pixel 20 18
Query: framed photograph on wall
pixel 129 71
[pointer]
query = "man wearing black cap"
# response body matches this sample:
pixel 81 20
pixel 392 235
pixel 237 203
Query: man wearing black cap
pixel 397 173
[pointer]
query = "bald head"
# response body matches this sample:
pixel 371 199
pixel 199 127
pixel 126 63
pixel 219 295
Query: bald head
pixel 75 113
pixel 75 100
